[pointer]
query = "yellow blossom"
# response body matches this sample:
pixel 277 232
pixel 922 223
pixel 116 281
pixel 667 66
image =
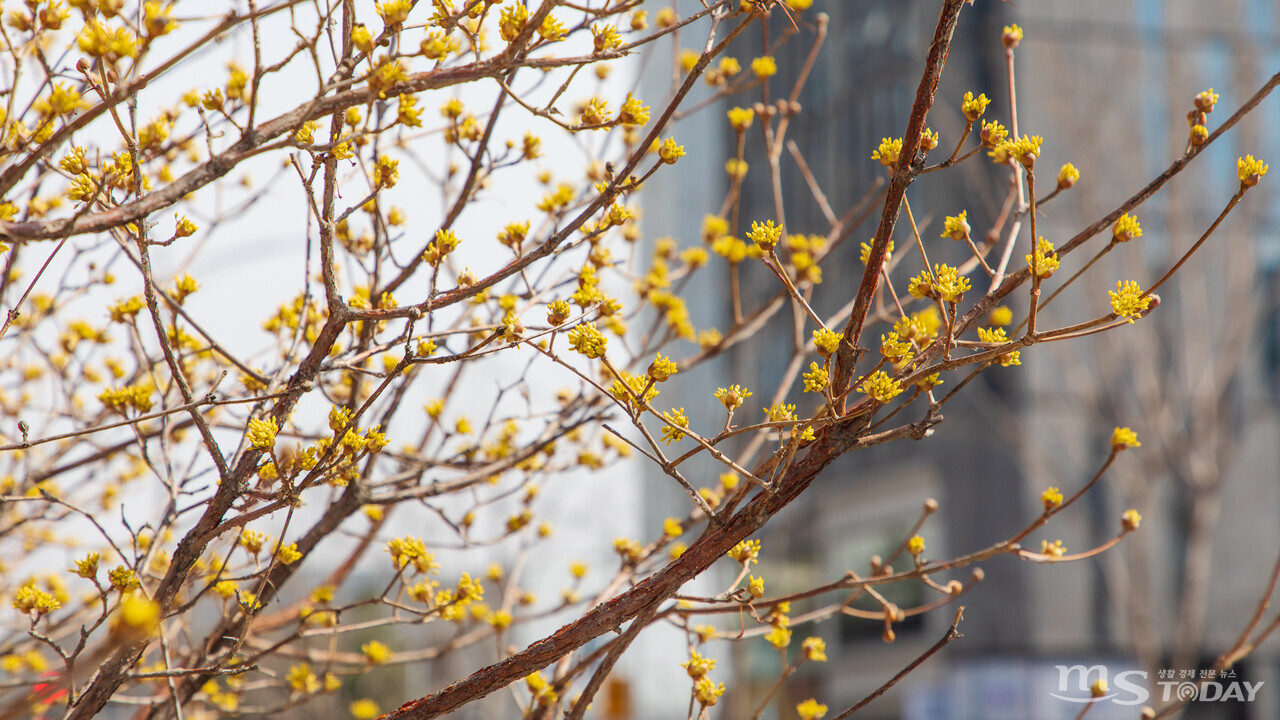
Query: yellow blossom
pixel 888 151
pixel 895 349
pixel 746 552
pixel 993 134
pixel 997 336
pixel 698 666
pixel 1068 176
pixel 732 396
pixel 306 133
pixel 915 545
pixel 814 649
pixel 375 653
pixel 1051 497
pixel 552 30
pixel 262 433
pixel 741 118
pixel 1044 263
pixel 826 341
pixel 972 107
pixel 302 679
pixel 1053 549
pixel 393 12
pixel 765 235
pixel 29 599
pixel 707 692
pixel 184 227
pixel 1250 170
pixel 817 379
pixel 633 113
pixel 88 567
pixel 811 710
pixel 589 341
pixel 670 152
pixel 764 66
pixel 1123 437
pixel 677 418
pixel 661 369
pixel 779 637
pixel 948 284
pixel 605 37
pixel 361 38
pixel 1130 520
pixel 288 554
pixel 1011 36
pixel 865 254
pixel 1199 134
pixel 123 578
pixel 387 172
pixel 880 387
pixel 956 227
pixel 1127 301
pixel 1126 228
pixel 1205 101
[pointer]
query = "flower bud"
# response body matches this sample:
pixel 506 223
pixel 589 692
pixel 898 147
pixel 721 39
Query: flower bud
pixel 1011 37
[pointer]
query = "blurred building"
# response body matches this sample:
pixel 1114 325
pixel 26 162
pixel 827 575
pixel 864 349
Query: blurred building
pixel 1108 85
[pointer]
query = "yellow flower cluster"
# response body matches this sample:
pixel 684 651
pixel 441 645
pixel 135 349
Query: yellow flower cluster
pixel 677 418
pixel 997 336
pixel 972 107
pixel 261 434
pixel 1123 437
pixel 880 386
pixel 409 550
pixel 1126 228
pixel 888 151
pixel 1044 263
pixel 817 379
pixel 1052 497
pixel 949 285
pixel 746 552
pixel 136 397
pixel 865 254
pixel 1250 170
pixel 956 227
pixel 826 341
pixel 1127 301
pixel 589 341
pixel 764 235
pixel 732 396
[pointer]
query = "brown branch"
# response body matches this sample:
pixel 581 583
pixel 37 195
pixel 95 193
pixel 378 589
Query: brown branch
pixel 903 174
pixel 1014 280
pixel 833 441
pixel 952 633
